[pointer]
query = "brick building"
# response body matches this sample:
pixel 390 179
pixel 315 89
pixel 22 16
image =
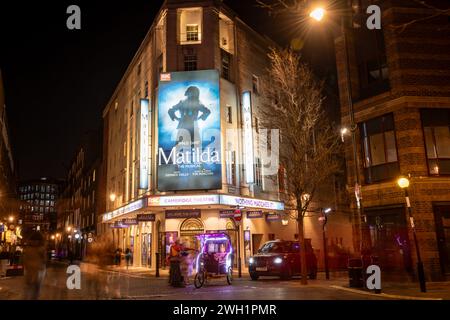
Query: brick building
pixel 189 38
pixel 400 89
pixel 9 204
pixel 79 205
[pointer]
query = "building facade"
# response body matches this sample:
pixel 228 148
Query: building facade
pixel 8 178
pixel 38 204
pixel 401 99
pixel 197 57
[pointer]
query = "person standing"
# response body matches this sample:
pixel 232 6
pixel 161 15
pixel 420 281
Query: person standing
pixel 34 263
pixel 174 259
pixel 128 256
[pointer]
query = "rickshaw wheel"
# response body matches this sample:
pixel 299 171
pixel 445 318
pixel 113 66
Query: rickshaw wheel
pixel 230 275
pixel 199 279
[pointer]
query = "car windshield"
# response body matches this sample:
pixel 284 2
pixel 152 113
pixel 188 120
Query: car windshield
pixel 273 247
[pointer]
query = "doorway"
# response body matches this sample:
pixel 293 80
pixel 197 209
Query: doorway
pixel 442 220
pixel 189 230
pixel 256 242
pixel 389 239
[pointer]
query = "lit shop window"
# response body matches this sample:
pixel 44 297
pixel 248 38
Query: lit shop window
pixel 379 149
pixel 436 128
pixel 190 22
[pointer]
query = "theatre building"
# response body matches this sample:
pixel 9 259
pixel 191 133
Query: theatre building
pixel 183 150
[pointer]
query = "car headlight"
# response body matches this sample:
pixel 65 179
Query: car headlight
pixel 251 260
pixel 278 260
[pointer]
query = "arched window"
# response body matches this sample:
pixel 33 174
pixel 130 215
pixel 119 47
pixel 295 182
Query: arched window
pixel 191 226
pixel 189 229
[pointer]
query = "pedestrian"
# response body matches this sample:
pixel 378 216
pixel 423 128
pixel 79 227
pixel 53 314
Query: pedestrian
pixel 34 262
pixel 174 259
pixel 117 257
pixel 186 264
pixel 70 256
pixel 128 256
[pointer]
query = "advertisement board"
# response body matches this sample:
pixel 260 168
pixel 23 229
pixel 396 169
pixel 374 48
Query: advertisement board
pixel 143 155
pixel 189 146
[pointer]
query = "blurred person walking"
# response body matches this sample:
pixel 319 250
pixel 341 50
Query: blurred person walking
pixel 34 263
pixel 128 256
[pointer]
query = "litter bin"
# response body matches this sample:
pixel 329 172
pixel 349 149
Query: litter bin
pixel 355 273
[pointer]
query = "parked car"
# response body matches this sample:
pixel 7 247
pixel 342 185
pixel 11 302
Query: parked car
pixel 281 258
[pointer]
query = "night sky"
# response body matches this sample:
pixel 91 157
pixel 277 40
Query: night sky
pixel 57 81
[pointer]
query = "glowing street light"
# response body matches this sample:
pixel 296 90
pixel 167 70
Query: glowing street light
pixel 52 237
pixel 403 182
pixel 317 14
pixel 11 219
pixel 69 229
pixel 112 197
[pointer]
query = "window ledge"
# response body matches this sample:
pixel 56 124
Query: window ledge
pixel 190 42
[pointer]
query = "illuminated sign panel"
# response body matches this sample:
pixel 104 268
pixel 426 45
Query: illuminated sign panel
pixel 189 146
pixel 143 170
pixel 197 200
pixel 251 202
pixel 214 199
pixel 133 206
pixel 248 135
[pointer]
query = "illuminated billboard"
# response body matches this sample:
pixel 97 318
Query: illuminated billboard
pixel 189 146
pixel 248 135
pixel 143 170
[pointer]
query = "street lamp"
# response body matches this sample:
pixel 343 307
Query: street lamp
pixel 112 197
pixel 318 14
pixel 324 220
pixel 403 183
pixel 69 229
pixel 11 219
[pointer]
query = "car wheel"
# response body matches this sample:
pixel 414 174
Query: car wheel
pixel 287 273
pixel 254 276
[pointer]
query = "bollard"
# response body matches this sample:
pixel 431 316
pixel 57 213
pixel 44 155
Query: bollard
pixel 157 264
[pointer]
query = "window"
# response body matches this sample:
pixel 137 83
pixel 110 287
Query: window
pixel 139 69
pixel 436 128
pixel 93 177
pixel 192 32
pixel 379 149
pixel 372 63
pixel 231 167
pixel 226 65
pixel 146 89
pixel 255 84
pixel 256 125
pixel 229 115
pixel 258 172
pixel 190 25
pixel 190 62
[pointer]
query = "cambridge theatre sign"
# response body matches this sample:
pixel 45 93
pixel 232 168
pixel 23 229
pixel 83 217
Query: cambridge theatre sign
pixel 193 200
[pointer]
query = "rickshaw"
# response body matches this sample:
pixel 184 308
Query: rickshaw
pixel 214 259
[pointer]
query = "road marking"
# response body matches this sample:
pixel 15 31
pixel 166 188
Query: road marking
pixel 392 296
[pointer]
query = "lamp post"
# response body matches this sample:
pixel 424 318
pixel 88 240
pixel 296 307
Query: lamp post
pixel 403 183
pixel 318 14
pixel 324 220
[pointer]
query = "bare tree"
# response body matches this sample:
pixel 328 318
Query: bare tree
pixel 292 103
